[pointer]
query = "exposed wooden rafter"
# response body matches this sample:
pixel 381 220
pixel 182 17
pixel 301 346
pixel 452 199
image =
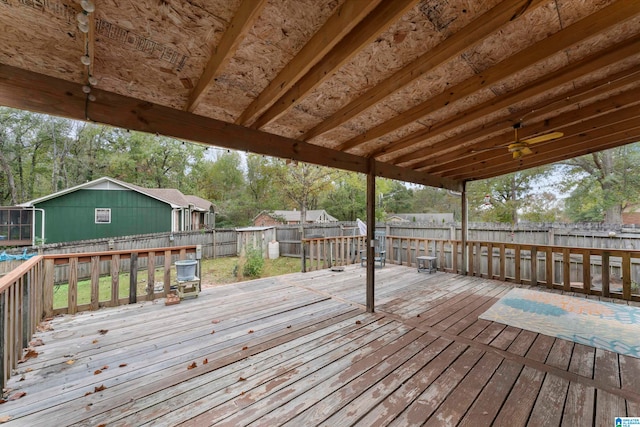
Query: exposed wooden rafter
pixel 585 28
pixel 339 25
pixel 243 20
pixel 368 29
pixel 475 32
pixel 434 153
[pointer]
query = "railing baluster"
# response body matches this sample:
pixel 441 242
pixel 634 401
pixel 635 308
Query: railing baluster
pixel 566 269
pixel 151 275
pixel 47 294
pixel 586 271
pixel 133 278
pixel 605 274
pixel 167 272
pixel 24 307
pixel 4 375
pixel 549 268
pixel 626 275
pixel 534 266
pixel 73 286
pixel 95 282
pixel 115 280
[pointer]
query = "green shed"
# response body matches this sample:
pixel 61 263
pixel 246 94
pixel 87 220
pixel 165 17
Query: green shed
pixel 107 207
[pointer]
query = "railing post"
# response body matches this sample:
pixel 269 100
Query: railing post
pixel 167 271
pixel 133 278
pixel 115 280
pixel 517 255
pixel 151 275
pixel 549 267
pixel 566 269
pixel 586 271
pixel 626 275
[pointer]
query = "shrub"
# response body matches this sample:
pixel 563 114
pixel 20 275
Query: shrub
pixel 254 262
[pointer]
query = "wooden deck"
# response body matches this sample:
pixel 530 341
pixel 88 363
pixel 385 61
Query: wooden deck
pixel 299 350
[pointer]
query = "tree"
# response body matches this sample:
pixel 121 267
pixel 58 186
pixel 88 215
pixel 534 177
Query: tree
pixel 508 195
pixel 346 199
pixel 603 184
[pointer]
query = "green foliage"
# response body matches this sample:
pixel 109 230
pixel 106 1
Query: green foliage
pixel 253 263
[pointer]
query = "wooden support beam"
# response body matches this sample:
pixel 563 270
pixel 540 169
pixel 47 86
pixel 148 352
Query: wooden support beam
pixel 241 23
pixel 345 18
pixel 587 27
pixel 465 229
pixel 364 33
pixel 464 39
pixel 464 145
pixel 43 94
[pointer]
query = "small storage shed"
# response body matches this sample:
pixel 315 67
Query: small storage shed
pixel 257 237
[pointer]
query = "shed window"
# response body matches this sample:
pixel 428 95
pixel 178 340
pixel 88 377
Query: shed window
pixel 103 216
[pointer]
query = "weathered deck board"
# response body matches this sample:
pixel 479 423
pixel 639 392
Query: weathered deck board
pixel 300 350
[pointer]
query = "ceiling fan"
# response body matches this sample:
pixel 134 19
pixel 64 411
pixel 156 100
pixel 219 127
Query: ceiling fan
pixel 520 148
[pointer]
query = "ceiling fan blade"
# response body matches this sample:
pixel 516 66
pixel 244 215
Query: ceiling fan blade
pixel 526 150
pixel 543 138
pixel 517 154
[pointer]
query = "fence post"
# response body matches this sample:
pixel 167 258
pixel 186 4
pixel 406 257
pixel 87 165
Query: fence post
pixel 133 278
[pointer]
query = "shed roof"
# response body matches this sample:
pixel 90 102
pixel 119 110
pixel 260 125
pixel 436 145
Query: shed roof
pixel 424 91
pixel 312 215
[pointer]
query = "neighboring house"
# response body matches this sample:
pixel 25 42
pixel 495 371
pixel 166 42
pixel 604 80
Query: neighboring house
pixel 270 218
pixel 434 218
pixel 107 207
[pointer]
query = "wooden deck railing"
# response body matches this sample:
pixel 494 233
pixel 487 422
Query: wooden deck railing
pixel 27 292
pixel 604 272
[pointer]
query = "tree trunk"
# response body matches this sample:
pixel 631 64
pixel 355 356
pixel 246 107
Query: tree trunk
pixel 13 191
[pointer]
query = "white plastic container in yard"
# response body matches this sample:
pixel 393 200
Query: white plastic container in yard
pixel 274 250
pixel 186 270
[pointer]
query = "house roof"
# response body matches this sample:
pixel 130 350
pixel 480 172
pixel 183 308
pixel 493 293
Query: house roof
pixel 424 217
pixel 292 216
pixel 418 90
pixel 170 196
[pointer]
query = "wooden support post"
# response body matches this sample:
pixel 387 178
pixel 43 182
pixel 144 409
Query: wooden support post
pixel 73 286
pixel 371 228
pixel 115 280
pixel 133 278
pixel 95 282
pixel 465 229
pixel 606 277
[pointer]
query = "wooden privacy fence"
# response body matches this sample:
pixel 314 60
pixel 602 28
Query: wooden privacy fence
pixel 603 272
pixel 27 292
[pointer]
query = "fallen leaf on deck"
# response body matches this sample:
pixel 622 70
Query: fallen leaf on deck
pixel 250 331
pixel 242 379
pixel 70 362
pixel 36 343
pixel 215 321
pixel 245 347
pixel 289 327
pixel 102 425
pixel 105 367
pixel 97 372
pixel 213 332
pixel 205 361
pixel 4 418
pixel 94 342
pixel 28 370
pixel 98 389
pixel 418 315
pixel 17 395
pixel 358 322
pixel 88 393
pixel 30 354
pixel 122 365
pixel 192 366
pixel 103 331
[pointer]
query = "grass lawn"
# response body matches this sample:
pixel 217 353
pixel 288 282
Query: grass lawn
pixel 214 272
